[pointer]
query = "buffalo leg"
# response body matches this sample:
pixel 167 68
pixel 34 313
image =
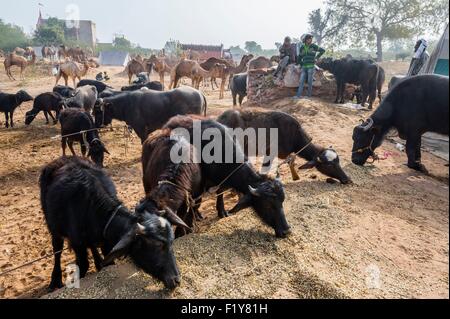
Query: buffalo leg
pixel 241 99
pixel 98 260
pixel 81 260
pixel 64 145
pixel 11 118
pixel 413 150
pixel 234 99
pixel 365 95
pixel 220 205
pixel 372 98
pixel 6 120
pixel 342 93
pixel 53 118
pixel 83 149
pixel 46 117
pixel 58 245
pixel 71 148
pixel 338 91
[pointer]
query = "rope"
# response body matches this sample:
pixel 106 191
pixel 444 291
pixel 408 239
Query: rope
pixel 290 158
pixel 31 263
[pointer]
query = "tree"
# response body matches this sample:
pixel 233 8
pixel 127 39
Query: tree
pixel 326 26
pixel 12 36
pixel 50 33
pixel 253 47
pixel 374 21
pixel 122 42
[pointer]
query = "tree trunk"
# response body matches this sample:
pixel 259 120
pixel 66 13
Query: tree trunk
pixel 379 47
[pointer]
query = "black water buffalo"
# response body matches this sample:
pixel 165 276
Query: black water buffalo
pixel 414 107
pixel 359 72
pixel 238 87
pixel 10 102
pixel 80 204
pixel 155 85
pixel 100 86
pixel 265 195
pixel 148 111
pixel 46 102
pixel 84 97
pixel 64 91
pixel 292 139
pixel 74 121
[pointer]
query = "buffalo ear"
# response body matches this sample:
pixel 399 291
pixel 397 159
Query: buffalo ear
pixel 310 165
pixel 122 246
pixel 244 202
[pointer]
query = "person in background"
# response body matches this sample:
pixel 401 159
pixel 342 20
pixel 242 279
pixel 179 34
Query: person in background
pixel 420 58
pixel 309 53
pixel 288 55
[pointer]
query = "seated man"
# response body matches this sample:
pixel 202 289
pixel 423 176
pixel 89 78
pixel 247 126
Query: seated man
pixel 288 54
pixel 309 53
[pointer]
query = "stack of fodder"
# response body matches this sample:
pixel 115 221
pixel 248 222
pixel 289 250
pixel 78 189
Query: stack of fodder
pixel 264 88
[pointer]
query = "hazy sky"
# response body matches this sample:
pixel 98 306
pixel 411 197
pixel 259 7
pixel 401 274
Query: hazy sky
pixel 151 23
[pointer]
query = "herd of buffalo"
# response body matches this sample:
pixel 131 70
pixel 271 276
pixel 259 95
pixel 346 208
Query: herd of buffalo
pixel 80 201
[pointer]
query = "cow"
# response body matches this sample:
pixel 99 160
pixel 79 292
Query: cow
pixel 100 86
pixel 46 102
pixel 74 121
pixel 260 192
pixel 80 204
pixel 239 87
pixel 359 72
pixel 84 97
pixel 154 85
pixel 292 139
pixel 10 102
pixel 64 91
pixel 148 111
pixel 168 184
pixel 414 106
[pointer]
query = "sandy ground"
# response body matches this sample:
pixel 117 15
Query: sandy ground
pixel 387 236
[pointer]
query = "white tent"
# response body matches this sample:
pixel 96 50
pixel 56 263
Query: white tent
pixel 114 58
pixel 438 61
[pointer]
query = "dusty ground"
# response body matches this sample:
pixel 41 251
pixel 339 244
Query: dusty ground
pixel 387 236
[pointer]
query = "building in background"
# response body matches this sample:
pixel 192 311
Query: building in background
pixel 82 31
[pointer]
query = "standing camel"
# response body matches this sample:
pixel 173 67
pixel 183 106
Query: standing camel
pixel 160 66
pixel 73 70
pixel 193 70
pixel 135 67
pixel 19 61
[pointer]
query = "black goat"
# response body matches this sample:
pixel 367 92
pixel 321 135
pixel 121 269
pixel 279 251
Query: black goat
pixel 10 102
pixel 45 102
pixel 74 121
pixel 80 204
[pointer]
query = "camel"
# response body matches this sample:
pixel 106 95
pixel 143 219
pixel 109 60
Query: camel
pixel 19 51
pixel 193 70
pixel 76 54
pixel 135 67
pixel 29 52
pixel 160 66
pixel 73 70
pixel 231 69
pixel 19 61
pixel 48 53
pixel 259 63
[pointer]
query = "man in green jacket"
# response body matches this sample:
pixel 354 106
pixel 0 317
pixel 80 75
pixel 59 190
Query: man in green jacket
pixel 309 53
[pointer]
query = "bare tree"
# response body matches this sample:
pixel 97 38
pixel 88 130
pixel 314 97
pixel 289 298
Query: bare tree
pixel 326 26
pixel 374 21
